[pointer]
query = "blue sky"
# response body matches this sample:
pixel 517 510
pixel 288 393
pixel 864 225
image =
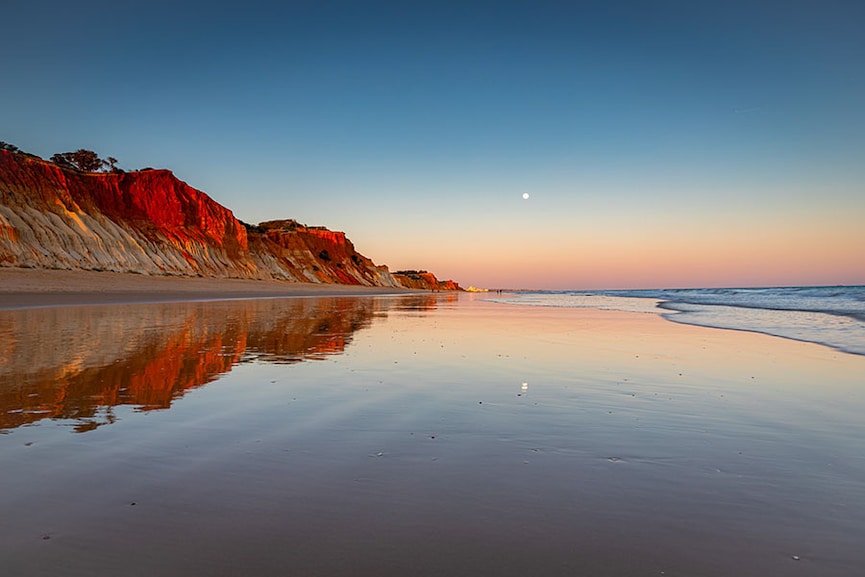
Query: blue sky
pixel 662 143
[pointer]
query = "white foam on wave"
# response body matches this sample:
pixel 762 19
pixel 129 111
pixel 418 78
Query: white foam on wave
pixel 840 332
pixel 831 316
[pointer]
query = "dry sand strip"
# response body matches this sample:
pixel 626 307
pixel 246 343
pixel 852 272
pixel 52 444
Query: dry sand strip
pixel 27 288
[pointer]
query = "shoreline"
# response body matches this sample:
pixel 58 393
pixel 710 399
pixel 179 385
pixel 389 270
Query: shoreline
pixel 35 288
pixel 586 426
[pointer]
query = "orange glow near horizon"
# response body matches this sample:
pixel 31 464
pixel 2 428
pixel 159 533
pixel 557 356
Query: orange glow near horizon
pixel 751 251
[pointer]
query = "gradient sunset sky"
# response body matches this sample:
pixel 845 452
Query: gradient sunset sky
pixel 663 144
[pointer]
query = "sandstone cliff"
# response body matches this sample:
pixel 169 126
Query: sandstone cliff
pixel 150 222
pixel 422 280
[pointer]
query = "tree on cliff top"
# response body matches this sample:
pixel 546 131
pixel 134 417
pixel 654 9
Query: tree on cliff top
pixel 85 161
pixel 81 159
pixel 9 147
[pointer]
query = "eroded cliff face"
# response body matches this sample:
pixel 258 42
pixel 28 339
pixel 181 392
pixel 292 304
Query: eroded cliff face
pixel 150 222
pixel 313 254
pixel 424 280
pixel 147 222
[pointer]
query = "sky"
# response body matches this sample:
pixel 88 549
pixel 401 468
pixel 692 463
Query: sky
pixel 662 144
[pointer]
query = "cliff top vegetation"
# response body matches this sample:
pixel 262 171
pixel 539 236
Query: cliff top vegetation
pixel 81 160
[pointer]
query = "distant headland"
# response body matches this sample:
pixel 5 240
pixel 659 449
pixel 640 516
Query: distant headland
pixel 80 212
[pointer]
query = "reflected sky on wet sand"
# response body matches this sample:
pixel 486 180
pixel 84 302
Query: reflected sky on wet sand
pixel 421 435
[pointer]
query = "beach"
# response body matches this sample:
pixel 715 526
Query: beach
pixel 22 288
pixel 415 434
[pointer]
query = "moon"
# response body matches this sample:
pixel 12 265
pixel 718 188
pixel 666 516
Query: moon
pixel 525 196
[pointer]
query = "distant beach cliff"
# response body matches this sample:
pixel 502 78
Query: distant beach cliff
pixel 150 222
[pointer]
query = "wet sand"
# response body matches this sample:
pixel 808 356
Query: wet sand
pixel 421 435
pixel 22 288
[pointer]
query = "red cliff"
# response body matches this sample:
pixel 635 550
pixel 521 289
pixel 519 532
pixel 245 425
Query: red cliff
pixel 424 280
pixel 150 222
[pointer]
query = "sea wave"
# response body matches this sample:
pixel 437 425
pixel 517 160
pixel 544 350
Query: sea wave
pixel 833 316
pixel 841 300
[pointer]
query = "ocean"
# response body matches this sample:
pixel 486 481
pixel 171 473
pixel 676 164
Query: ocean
pixel 833 316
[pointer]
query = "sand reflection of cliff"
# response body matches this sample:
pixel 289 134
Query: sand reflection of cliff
pixel 76 363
